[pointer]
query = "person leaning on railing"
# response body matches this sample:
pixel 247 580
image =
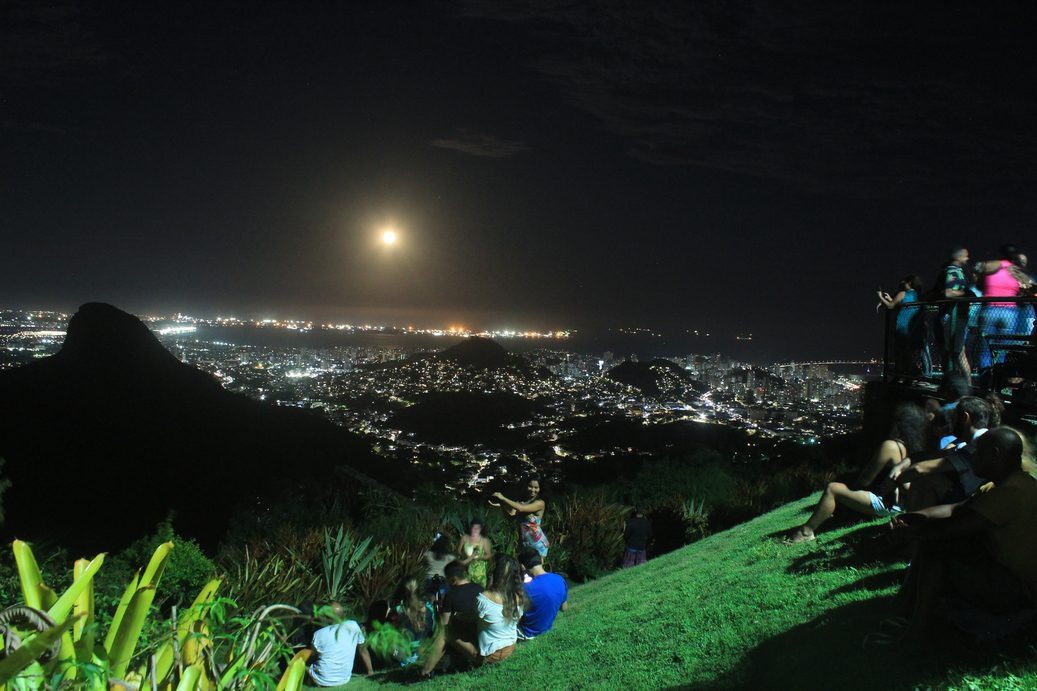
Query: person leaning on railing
pixel 953 282
pixel 909 329
pixel 1002 277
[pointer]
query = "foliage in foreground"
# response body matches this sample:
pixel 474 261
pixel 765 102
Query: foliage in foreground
pixel 55 640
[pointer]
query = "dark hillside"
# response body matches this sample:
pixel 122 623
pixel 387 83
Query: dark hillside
pixel 107 436
pixel 655 377
pixel 461 417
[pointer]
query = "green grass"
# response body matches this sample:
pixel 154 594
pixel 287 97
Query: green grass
pixel 741 610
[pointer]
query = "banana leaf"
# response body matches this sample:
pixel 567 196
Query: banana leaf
pixel 125 641
pixel 152 574
pixel 28 574
pixel 32 649
pixel 83 632
pixel 296 672
pixel 61 609
pixel 47 596
pixel 157 565
pixel 189 681
pixel 164 659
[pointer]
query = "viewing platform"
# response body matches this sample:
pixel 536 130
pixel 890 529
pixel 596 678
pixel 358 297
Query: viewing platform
pixel 989 341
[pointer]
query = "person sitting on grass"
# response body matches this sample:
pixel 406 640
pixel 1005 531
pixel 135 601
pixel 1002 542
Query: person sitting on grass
pixel 415 615
pixel 500 607
pixel 984 550
pixel 335 648
pixel 458 619
pixel 546 593
pixel 439 555
pixel 950 478
pixel 876 491
pixel 476 551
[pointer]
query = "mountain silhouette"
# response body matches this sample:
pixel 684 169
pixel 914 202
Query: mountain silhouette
pixel 107 436
pixel 480 353
pixel 655 377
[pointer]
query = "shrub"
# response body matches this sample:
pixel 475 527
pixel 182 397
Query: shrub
pixel 587 530
pixel 379 581
pixel 276 577
pixel 696 519
pixel 704 475
pixel 343 558
pixel 186 571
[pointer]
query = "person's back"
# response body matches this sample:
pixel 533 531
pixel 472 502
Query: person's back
pixel 1011 508
pixel 637 534
pixel 496 631
pixel 1001 283
pixel 547 594
pixel 336 647
pixel 460 602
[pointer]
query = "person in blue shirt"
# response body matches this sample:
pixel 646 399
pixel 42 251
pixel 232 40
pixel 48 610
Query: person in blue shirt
pixel 909 327
pixel 547 594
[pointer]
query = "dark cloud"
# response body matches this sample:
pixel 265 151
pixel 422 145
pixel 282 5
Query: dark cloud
pixel 867 99
pixel 43 42
pixel 44 45
pixel 479 144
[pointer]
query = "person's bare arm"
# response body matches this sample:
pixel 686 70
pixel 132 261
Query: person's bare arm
pixel 891 302
pixel 487 552
pixel 507 509
pixel 532 507
pixel 462 557
pixel 1025 282
pixel 914 518
pixel 935 465
pixel 962 522
pixel 366 657
pixel 887 454
pixel 988 267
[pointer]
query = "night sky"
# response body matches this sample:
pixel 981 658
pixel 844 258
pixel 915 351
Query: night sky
pixel 736 166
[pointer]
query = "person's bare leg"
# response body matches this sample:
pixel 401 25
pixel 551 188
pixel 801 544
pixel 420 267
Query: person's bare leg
pixel 835 493
pixel 435 653
pixel 465 647
pixel 963 363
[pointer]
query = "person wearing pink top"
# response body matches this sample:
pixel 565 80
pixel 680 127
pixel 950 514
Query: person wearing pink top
pixel 999 278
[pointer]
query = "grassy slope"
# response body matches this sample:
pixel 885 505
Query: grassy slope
pixel 739 609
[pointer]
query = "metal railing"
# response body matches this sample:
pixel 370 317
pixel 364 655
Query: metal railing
pixel 990 340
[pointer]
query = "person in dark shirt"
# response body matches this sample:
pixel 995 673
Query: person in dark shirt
pixel 637 534
pixel 953 282
pixel 982 550
pixel 458 618
pixel 950 478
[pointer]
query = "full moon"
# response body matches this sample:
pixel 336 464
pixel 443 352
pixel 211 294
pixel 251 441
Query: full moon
pixel 389 237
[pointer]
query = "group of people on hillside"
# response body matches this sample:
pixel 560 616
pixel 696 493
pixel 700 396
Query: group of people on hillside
pixel 962 335
pixel 953 483
pixel 472 603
